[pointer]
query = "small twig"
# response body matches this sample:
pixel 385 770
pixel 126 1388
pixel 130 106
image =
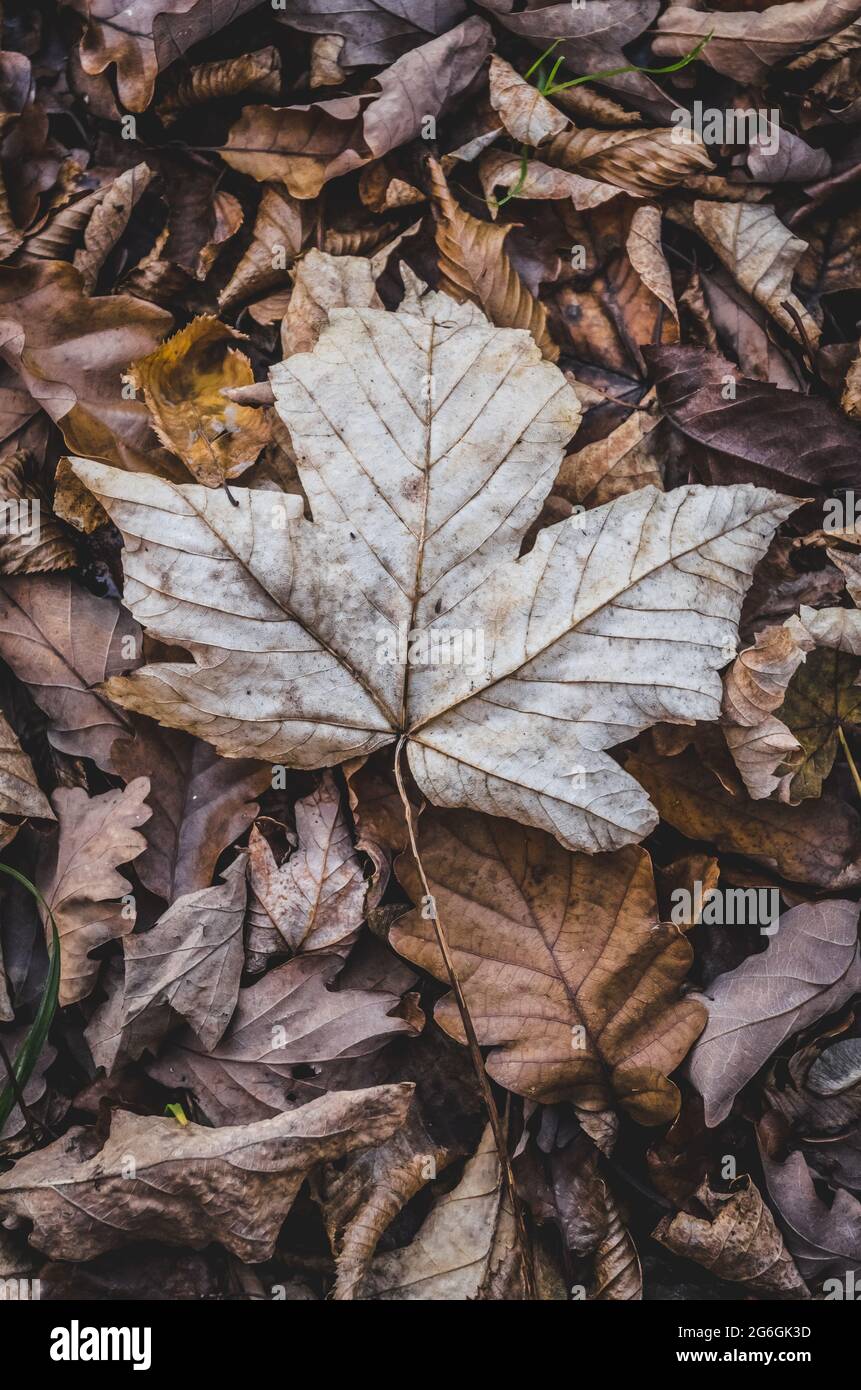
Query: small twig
pixel 229 493
pixel 802 331
pixel 496 1124
pixel 849 758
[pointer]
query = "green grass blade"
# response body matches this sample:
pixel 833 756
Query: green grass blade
pixel 35 1040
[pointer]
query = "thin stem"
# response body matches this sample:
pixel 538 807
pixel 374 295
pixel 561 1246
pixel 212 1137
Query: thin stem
pixel 496 1124
pixel 849 758
pixel 19 1095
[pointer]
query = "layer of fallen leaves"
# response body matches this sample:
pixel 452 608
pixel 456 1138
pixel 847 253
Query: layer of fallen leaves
pixel 328 337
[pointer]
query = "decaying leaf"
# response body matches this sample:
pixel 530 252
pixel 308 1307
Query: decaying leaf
pixel 290 1021
pixel 234 1184
pixel 20 793
pixel 811 967
pixel 80 879
pixel 192 958
pixel 465 1248
pixel 315 898
pixel 738 1241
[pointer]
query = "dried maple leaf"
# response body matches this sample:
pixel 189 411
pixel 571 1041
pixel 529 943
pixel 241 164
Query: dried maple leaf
pixel 234 1185
pixel 567 971
pixel 80 882
pixel 182 383
pixel 423 475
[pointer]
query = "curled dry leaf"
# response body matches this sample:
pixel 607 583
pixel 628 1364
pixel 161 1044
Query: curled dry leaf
pixel 79 878
pixel 323 283
pixel 182 383
pixel 107 222
pixel 625 460
pixel 787 699
pixel 568 974
pixel 474 267
pixel 640 162
pixel 761 254
pixel 738 1241
pixel 280 229
pixel 533 179
pixel 745 45
pixel 315 899
pixel 20 793
pixel 360 1200
pixel 258 72
pixel 234 1185
pixel 534 615
pixel 810 968
pixel 528 116
pixel 824 1240
pixel 144 36
pixel 33 538
pixel 464 1249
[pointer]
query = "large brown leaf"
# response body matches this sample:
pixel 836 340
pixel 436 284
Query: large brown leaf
pixel 567 971
pixel 71 349
pixel 234 1185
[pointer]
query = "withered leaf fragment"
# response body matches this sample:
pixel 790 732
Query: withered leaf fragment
pixel 738 1241
pixel 192 958
pixel 234 1185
